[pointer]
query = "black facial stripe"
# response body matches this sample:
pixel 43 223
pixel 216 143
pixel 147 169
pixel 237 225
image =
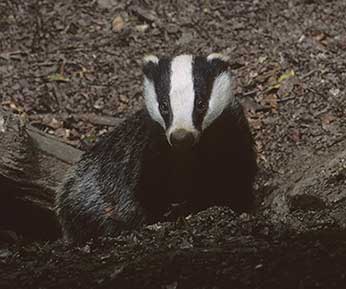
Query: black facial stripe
pixel 204 74
pixel 160 74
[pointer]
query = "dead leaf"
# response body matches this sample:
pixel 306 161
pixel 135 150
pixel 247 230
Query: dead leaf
pixel 118 24
pixel 256 123
pixel 259 146
pixel 327 118
pixel 295 135
pixel 286 75
pixel 270 99
pixel 83 72
pixel 250 105
pixel 109 211
pixel 12 106
pixel 320 37
pixel 144 14
pixel 268 73
pixel 285 89
pixel 58 77
pixel 262 59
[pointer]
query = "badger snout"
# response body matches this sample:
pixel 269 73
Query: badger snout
pixel 182 139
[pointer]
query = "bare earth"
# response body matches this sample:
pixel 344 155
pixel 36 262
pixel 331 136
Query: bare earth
pixel 63 60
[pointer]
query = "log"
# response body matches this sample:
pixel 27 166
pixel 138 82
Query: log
pixel 32 164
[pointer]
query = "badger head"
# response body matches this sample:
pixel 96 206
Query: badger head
pixel 186 94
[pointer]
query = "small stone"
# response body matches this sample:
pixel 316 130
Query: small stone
pixel 142 28
pixel 86 249
pixel 2 124
pixel 4 253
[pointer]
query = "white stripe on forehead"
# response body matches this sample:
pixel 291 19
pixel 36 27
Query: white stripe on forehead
pixel 182 93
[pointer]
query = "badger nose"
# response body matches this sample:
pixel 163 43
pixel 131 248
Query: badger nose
pixel 182 139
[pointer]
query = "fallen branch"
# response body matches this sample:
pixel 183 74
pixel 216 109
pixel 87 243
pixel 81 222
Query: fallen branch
pixel 32 164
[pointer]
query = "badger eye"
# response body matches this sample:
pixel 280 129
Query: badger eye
pixel 201 105
pixel 163 106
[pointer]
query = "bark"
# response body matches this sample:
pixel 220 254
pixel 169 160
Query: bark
pixel 32 164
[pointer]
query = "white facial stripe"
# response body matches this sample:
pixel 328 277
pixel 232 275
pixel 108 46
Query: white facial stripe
pixel 182 93
pixel 221 96
pixel 151 102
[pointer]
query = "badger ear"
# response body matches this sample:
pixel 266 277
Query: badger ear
pixel 217 56
pixel 150 59
pixel 150 63
pixel 218 63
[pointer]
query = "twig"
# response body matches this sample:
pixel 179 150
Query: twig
pixel 285 99
pixel 308 74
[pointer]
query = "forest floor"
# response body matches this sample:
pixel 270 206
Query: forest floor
pixel 64 64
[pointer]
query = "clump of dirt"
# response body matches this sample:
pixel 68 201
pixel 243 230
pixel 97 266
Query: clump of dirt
pixel 74 67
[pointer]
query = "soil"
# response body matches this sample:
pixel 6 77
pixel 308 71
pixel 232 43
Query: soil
pixel 61 61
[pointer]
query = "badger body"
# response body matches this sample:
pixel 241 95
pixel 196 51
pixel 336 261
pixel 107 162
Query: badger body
pixel 191 145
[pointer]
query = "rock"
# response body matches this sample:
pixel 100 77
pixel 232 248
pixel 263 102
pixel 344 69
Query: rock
pixel 4 253
pixel 142 28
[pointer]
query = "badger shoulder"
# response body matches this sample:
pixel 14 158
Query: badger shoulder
pixel 97 194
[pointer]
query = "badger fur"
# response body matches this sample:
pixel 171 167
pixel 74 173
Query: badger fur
pixel 190 145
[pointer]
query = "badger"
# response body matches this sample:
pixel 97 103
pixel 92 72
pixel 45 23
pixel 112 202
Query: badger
pixel 190 145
